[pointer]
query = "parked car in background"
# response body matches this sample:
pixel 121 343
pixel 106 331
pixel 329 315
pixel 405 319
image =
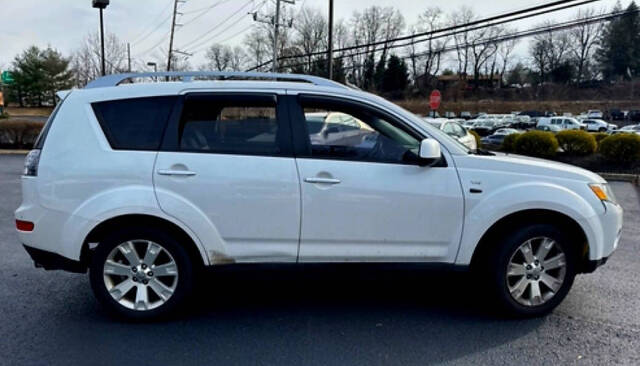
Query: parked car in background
pixel 628 129
pixel 598 125
pixel 465 115
pixel 634 115
pixel 498 137
pixel 595 114
pixel 449 114
pixel 455 130
pixel 549 128
pixel 617 114
pixel 485 127
pixel 563 123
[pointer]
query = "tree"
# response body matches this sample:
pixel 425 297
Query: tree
pixel 619 52
pixel 426 60
pixel 505 50
pixel 396 76
pixel 39 74
pixel 517 75
pixel 584 38
pixel 311 33
pixel 87 60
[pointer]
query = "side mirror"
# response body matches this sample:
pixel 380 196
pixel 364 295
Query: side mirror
pixel 430 150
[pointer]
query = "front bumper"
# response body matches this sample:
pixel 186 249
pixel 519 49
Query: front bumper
pixel 52 261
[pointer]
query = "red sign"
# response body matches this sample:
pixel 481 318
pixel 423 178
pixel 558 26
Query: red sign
pixel 435 99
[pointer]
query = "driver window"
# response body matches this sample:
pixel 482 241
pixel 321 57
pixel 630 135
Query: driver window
pixel 354 133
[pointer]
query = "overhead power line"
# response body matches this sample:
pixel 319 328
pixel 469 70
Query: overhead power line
pixel 460 28
pixel 507 37
pixel 149 30
pixel 198 40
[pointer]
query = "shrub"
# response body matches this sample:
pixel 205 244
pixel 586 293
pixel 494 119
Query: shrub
pixel 621 148
pixel 477 137
pixel 537 143
pixel 509 142
pixel 577 142
pixel 19 133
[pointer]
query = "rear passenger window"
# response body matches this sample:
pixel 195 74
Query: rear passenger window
pixel 240 124
pixel 134 124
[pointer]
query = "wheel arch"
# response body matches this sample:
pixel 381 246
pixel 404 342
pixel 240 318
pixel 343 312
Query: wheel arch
pixel 100 231
pixel 531 216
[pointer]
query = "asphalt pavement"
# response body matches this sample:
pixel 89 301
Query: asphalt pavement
pixel 317 316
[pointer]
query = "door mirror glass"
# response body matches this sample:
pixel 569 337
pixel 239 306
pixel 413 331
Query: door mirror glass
pixel 430 150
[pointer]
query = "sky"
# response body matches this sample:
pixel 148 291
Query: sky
pixel 63 24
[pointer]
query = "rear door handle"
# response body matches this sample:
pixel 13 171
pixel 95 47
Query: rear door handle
pixel 177 173
pixel 318 180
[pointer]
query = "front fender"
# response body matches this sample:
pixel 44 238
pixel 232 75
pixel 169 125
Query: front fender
pixel 483 213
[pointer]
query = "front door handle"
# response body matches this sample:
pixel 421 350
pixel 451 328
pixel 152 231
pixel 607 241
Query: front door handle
pixel 318 180
pixel 178 173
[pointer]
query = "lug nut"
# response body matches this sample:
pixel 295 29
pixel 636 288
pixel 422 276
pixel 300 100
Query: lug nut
pixel 528 277
pixel 528 266
pixel 150 274
pixel 145 282
pixel 134 269
pixel 536 262
pixel 144 266
pixel 135 279
pixel 537 277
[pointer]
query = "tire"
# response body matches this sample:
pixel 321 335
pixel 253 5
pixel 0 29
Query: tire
pixel 508 256
pixel 602 129
pixel 122 290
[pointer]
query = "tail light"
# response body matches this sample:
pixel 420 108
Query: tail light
pixel 31 163
pixel 24 225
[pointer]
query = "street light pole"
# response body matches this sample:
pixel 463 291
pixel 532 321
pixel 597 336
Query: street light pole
pixel 101 4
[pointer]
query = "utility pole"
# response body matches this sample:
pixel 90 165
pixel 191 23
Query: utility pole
pixel 275 21
pixel 173 29
pixel 276 25
pixel 129 56
pixel 330 51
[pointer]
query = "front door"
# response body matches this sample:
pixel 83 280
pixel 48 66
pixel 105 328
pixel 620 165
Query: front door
pixel 364 196
pixel 227 172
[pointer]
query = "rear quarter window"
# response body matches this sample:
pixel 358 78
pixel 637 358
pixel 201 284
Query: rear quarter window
pixel 134 124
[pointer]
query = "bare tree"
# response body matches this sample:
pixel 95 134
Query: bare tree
pixel 86 60
pixel 426 57
pixel 219 57
pixel 584 38
pixel 464 15
pixel 256 46
pixel 310 33
pixel 482 50
pixel 505 51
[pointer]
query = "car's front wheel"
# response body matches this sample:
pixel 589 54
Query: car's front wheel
pixel 140 273
pixel 532 269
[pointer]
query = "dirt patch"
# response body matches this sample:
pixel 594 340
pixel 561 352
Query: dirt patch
pixel 17 111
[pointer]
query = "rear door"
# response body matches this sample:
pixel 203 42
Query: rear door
pixel 226 170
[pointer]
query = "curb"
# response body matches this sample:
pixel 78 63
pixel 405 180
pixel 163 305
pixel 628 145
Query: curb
pixel 14 152
pixel 631 178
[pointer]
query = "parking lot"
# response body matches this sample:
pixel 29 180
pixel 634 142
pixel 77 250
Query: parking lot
pixel 319 316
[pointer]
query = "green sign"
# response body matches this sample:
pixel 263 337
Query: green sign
pixel 7 78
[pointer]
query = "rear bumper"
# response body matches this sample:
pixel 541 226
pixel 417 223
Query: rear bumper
pixel 52 261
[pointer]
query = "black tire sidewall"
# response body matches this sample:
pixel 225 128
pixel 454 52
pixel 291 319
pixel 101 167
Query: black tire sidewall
pixel 177 251
pixel 500 259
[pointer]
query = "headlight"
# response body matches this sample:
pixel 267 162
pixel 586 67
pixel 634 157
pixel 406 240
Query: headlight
pixel 603 192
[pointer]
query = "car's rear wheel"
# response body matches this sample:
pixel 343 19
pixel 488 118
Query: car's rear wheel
pixel 532 270
pixel 141 273
pixel 602 129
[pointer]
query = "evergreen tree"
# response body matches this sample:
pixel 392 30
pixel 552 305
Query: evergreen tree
pixel 396 76
pixel 39 74
pixel 378 76
pixel 368 73
pixel 619 51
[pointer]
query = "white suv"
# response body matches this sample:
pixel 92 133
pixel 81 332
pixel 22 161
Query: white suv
pixel 144 184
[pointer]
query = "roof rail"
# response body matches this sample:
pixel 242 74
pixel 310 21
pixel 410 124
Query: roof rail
pixel 187 76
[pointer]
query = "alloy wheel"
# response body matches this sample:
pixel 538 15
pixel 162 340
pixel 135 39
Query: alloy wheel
pixel 536 271
pixel 140 274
